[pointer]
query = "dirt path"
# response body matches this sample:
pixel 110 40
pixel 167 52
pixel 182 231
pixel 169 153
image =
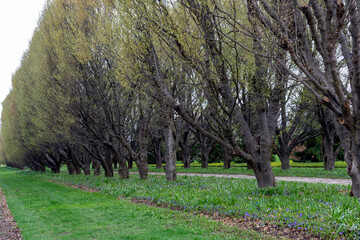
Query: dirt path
pixel 289 179
pixel 8 228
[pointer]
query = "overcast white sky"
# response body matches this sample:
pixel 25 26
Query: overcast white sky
pixel 18 19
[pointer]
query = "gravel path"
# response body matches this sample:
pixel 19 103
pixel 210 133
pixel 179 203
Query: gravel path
pixel 8 227
pixel 289 179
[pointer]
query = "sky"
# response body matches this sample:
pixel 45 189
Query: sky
pixel 18 19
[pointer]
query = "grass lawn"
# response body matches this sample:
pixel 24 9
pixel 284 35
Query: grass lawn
pixel 323 210
pixel 292 172
pixel 45 210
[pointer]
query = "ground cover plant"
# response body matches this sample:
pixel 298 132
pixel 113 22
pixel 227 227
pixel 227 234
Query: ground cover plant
pixel 45 210
pixel 323 210
pixel 292 172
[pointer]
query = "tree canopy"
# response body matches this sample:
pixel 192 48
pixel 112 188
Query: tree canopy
pixel 110 83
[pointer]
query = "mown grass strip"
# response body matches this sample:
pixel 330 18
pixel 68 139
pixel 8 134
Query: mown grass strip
pixel 45 210
pixel 324 210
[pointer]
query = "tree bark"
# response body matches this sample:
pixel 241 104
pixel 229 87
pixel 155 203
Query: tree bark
pixel 107 163
pixel 77 168
pixel 123 170
pixel 186 153
pixel 264 174
pixel 130 163
pixel 170 147
pixel 96 167
pixel 115 162
pixel 86 170
pixel 227 158
pixel 328 153
pixel 156 143
pixel 205 149
pixel 85 162
pixel 157 152
pixel 142 161
pixel 70 167
pixel 186 159
pixel 326 119
pixel 285 162
pixel 284 156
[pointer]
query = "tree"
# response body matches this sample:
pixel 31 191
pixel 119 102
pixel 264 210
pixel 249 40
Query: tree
pixel 321 39
pixel 217 65
pixel 296 124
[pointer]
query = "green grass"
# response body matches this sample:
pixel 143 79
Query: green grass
pixel 325 210
pixel 45 210
pixel 292 172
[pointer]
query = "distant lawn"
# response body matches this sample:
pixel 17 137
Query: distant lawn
pixel 338 164
pixel 292 172
pixel 45 210
pixel 298 169
pixel 320 209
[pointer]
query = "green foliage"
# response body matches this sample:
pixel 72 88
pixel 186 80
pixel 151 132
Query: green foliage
pixel 2 152
pixel 216 155
pixel 312 152
pixel 275 158
pixel 12 149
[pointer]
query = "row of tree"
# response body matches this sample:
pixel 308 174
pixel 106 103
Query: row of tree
pixel 107 83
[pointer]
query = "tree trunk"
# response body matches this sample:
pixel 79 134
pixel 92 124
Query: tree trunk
pixel 158 162
pixel 156 142
pixel 130 163
pixel 85 162
pixel 248 165
pixel 107 171
pixel 186 158
pixel 285 162
pixel 96 167
pixel 227 158
pixel 354 172
pixel 205 152
pixel 77 168
pixel 158 157
pixel 74 156
pixel 115 163
pixel 142 161
pixel 143 170
pixel 56 168
pixel 86 170
pixel 328 153
pixel 185 144
pixel 327 121
pixel 123 170
pixel 284 156
pixel 70 167
pixel 264 173
pixel 107 163
pixel 170 149
pixel 205 159
pixel 351 157
pixel 353 168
